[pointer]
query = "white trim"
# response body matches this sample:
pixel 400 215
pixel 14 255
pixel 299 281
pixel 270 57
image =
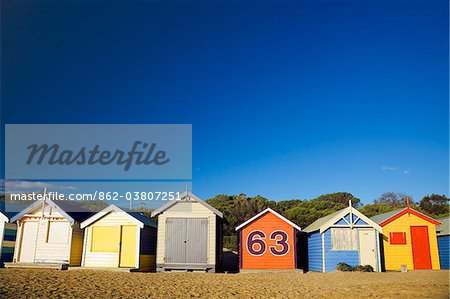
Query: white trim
pixel 192 197
pixel 106 211
pixel 83 257
pixel 323 253
pixel 343 213
pixel 3 217
pixel 378 251
pixel 268 210
pixel 138 245
pixel 36 204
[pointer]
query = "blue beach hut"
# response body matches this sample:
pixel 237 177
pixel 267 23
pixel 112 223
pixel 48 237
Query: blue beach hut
pixel 346 236
pixel 443 239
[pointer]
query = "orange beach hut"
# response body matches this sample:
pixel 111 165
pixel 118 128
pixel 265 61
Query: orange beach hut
pixel 409 238
pixel 267 241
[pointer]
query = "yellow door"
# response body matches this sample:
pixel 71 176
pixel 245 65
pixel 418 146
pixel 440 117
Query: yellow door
pixel 128 247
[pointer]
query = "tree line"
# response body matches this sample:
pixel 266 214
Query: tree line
pixel 239 208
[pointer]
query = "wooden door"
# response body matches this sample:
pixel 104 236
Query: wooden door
pixel 186 240
pixel 175 243
pixel 196 240
pixel 420 247
pixel 128 246
pixel 367 248
pixel 28 241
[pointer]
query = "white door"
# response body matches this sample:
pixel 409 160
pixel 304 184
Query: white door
pixel 367 248
pixel 28 246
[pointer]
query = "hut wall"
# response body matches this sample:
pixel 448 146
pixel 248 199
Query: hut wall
pixel 315 252
pixel 109 258
pixel 396 255
pixel 444 247
pixel 187 210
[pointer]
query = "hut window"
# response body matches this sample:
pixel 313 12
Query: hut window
pixel 58 232
pixel 105 239
pixel 397 238
pixel 344 239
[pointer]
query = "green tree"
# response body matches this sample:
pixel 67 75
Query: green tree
pixel 435 205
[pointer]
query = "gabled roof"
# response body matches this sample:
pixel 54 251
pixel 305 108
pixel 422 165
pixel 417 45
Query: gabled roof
pixel 186 196
pixel 443 229
pixel 380 218
pixel 388 217
pixel 268 210
pixel 70 212
pixel 316 225
pixel 322 224
pixel 134 216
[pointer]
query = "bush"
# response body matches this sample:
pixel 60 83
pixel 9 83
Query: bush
pixel 347 268
pixel 344 267
pixel 366 268
pixel 230 243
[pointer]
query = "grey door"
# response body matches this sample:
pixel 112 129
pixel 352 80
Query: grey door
pixel 197 229
pixel 175 240
pixel 186 240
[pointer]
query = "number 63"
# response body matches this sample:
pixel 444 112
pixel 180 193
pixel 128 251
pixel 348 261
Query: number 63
pixel 257 237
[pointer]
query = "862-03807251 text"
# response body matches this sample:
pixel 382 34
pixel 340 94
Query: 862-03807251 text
pixel 99 195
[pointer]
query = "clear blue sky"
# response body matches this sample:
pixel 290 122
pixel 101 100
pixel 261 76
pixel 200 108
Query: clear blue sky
pixel 288 99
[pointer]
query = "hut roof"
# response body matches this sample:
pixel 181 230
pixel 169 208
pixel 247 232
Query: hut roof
pixel 134 216
pixel 388 217
pixel 70 211
pixel 186 196
pixel 443 229
pixel 268 210
pixel 9 208
pixel 326 222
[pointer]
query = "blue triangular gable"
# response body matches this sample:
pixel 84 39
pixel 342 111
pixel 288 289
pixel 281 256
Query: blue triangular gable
pixel 361 222
pixel 341 221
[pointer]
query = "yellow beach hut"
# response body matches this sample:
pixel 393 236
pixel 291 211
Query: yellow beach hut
pixel 409 238
pixel 49 233
pixel 118 238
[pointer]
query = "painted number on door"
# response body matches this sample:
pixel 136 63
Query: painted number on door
pixel 256 244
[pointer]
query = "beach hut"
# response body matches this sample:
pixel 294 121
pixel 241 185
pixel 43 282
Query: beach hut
pixel 189 235
pixel 267 241
pixel 118 238
pixel 346 236
pixel 409 239
pixel 443 239
pixel 7 238
pixel 49 233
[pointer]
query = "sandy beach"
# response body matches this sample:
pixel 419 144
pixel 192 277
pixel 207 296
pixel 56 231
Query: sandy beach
pixel 36 283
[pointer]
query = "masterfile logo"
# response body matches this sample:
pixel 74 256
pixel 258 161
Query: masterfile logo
pixel 141 153
pixel 66 151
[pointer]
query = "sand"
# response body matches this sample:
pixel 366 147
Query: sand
pixel 37 283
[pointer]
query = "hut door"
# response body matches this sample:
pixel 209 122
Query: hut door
pixel 186 240
pixel 367 248
pixel 28 240
pixel 420 247
pixel 128 246
pixel 197 229
pixel 175 240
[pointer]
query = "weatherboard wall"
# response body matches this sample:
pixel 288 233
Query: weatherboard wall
pixel 444 247
pixel 8 233
pixel 145 244
pixel 315 252
pixel 333 257
pixel 47 250
pixel 396 255
pixel 278 253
